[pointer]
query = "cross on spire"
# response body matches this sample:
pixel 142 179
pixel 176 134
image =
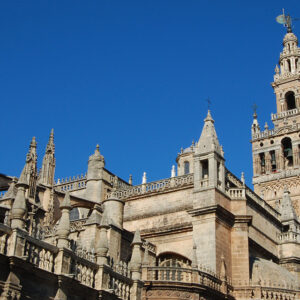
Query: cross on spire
pixel 208 103
pixel 254 107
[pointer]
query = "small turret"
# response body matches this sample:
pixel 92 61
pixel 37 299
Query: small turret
pixel 46 175
pixel 94 183
pixel 209 168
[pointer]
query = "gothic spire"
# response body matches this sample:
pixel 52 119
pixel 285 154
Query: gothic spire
pixel 46 176
pixel 287 210
pixel 29 173
pixel 208 141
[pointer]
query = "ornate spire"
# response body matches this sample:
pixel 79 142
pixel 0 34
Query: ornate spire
pixel 29 173
pixel 208 141
pixel 46 175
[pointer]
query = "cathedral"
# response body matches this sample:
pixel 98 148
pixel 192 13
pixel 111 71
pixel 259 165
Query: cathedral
pixel 202 233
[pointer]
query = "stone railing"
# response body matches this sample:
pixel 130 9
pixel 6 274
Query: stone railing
pixel 5 232
pixel 262 203
pixel 119 283
pixel 154 187
pixel 251 195
pixel 82 269
pixel 276 176
pixel 236 193
pixel 71 183
pixel 39 253
pixel 288 237
pixel 263 134
pixel 264 292
pixel 185 275
pixel 286 113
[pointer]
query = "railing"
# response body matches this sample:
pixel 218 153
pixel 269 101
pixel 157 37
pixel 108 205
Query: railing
pixel 118 283
pixel 185 275
pixel 264 292
pixel 155 186
pixel 83 270
pixel 286 113
pixel 39 253
pixel 262 203
pixel 250 194
pixel 289 237
pixel 263 134
pixel 236 193
pixel 4 235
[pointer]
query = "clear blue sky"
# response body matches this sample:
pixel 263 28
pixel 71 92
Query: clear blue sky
pixel 133 76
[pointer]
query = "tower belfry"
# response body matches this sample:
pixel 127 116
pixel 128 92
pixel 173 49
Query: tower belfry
pixel 276 151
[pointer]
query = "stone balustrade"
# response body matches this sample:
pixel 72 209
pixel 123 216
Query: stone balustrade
pixel 39 253
pixel 287 113
pixel 289 236
pixel 5 233
pixel 119 283
pixel 236 193
pixel 185 275
pixel 114 279
pixel 264 292
pixel 154 187
pixel 263 134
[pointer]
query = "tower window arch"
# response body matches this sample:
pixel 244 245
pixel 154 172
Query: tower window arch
pixel 186 167
pixel 289 65
pixel 290 100
pixel 287 150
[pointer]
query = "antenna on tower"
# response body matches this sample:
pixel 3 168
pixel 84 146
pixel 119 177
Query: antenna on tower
pixel 285 20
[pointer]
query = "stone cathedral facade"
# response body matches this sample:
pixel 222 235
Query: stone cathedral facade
pixel 200 234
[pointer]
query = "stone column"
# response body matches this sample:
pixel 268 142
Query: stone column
pixel 268 162
pixel 240 250
pixel 63 228
pixel 135 265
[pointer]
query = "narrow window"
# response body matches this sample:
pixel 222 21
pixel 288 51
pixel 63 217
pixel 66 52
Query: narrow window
pixel 287 149
pixel 262 163
pixel 290 100
pixel 273 160
pixel 204 165
pixel 186 167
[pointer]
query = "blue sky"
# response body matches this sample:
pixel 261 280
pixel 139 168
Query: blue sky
pixel 133 76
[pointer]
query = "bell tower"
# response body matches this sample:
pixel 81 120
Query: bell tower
pixel 276 161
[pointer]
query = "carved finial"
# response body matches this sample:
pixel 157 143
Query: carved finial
pixel 208 103
pixel 276 70
pixel 254 107
pixel 243 178
pixel 130 179
pixel 181 150
pixel 144 180
pixel 173 171
pixel 266 126
pixel 98 148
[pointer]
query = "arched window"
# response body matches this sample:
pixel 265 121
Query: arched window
pixel 289 65
pixel 287 149
pixel 74 214
pixel 186 167
pixel 290 100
